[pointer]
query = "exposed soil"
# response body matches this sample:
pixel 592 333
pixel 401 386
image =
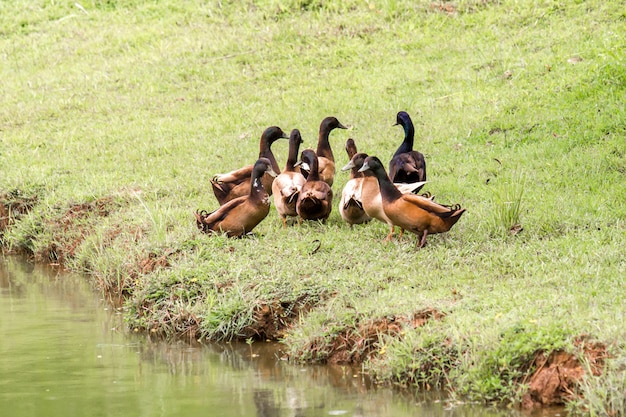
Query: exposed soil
pixel 71 228
pixel 355 345
pixel 14 205
pixel 271 321
pixel 558 374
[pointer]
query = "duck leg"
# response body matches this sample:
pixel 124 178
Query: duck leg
pixel 388 238
pixel 422 241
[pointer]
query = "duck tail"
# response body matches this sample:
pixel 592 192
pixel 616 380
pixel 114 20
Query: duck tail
pixel 353 202
pixel 200 216
pixel 455 215
pixel 220 191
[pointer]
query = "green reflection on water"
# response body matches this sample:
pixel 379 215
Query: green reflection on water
pixel 63 352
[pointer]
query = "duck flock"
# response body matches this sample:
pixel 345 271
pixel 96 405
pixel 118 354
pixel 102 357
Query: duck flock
pixel 303 189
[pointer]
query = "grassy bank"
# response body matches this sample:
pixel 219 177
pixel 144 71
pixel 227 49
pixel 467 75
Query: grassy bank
pixel 114 116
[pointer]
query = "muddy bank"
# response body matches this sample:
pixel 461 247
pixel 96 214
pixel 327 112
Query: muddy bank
pixel 551 378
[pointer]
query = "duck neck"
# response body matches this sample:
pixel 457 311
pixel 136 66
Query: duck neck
pixel 388 191
pixel 314 174
pixel 323 145
pixel 256 185
pixel 409 136
pixel 265 151
pixel 292 157
pixel 354 173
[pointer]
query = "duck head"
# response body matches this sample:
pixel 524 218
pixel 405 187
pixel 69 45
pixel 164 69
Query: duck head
pixel 403 119
pixel 350 148
pixel 295 137
pixel 373 164
pixel 329 124
pixel 308 160
pixel 273 133
pixel 261 166
pixel 356 161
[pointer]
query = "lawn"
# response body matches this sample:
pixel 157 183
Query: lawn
pixel 114 116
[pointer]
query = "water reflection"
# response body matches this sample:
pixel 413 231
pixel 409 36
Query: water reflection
pixel 64 352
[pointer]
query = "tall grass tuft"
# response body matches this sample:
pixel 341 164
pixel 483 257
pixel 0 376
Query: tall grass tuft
pixel 604 394
pixel 507 206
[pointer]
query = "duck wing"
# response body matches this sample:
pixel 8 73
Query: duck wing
pixel 210 221
pixel 411 188
pixel 235 177
pixel 407 167
pixel 318 190
pixel 429 206
pixel 227 191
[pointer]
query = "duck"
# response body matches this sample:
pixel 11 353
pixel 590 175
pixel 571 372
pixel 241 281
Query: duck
pixel 370 192
pixel 411 212
pixel 326 159
pixel 237 183
pixel 351 205
pixel 316 196
pixel 407 165
pixel 240 215
pixel 287 185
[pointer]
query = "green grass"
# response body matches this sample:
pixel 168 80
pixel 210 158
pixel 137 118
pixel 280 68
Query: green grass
pixel 518 108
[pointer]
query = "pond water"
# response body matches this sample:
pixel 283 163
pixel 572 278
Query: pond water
pixel 64 352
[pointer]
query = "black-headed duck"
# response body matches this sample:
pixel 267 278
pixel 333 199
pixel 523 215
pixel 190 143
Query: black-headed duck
pixel 286 187
pixel 326 159
pixel 351 204
pixel 237 183
pixel 316 196
pixel 242 214
pixel 407 165
pixel 414 213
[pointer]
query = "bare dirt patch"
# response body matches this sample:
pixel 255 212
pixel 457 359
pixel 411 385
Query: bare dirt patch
pixel 558 374
pixel 14 205
pixel 271 320
pixel 70 229
pixel 355 345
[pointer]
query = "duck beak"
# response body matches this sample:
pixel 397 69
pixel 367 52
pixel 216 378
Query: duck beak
pixel 340 126
pixel 349 166
pixel 271 171
pixel 365 167
pixel 303 165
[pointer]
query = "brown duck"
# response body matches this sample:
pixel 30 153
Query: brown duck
pixel 351 204
pixel 242 214
pixel 326 159
pixel 414 213
pixel 407 165
pixel 316 196
pixel 286 187
pixel 370 192
pixel 237 183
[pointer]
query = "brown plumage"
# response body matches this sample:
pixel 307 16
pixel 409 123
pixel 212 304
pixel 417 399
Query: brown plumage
pixel 237 183
pixel 325 157
pixel 242 214
pixel 414 213
pixel 286 187
pixel 351 204
pixel 370 192
pixel 316 196
pixel 407 165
